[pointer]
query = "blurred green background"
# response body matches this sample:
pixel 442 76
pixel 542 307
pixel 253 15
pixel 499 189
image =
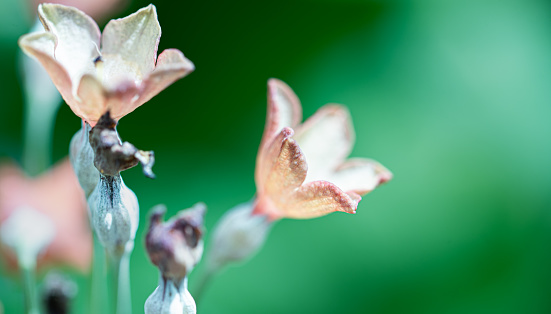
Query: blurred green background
pixel 454 97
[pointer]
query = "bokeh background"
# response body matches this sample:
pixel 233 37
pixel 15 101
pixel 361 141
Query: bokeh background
pixel 453 96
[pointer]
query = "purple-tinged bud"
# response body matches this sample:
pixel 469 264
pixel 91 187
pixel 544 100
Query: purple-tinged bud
pixel 176 246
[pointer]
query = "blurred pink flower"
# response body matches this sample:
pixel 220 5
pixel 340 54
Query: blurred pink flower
pixel 57 195
pixel 121 76
pixel 305 174
pixel 98 9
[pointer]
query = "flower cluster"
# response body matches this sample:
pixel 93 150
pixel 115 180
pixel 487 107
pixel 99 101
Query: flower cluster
pixel 302 169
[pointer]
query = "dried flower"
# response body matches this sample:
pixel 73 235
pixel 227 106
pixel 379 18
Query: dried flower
pixel 175 247
pixel 114 209
pixel 54 195
pixel 305 174
pixel 121 76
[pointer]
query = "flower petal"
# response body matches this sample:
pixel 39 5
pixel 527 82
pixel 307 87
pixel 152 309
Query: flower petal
pixel 284 110
pixel 326 139
pixel 171 66
pixel 135 38
pixel 317 199
pixel 95 100
pixel 77 39
pixel 41 46
pixel 267 157
pixel 360 175
pixel 288 171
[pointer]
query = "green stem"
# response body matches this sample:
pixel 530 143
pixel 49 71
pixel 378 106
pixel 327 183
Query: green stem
pixel 39 127
pixel 29 282
pixel 98 293
pixel 204 281
pixel 120 283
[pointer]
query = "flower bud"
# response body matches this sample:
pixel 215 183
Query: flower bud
pixel 82 159
pixel 57 293
pixel 175 247
pixel 114 213
pixel 237 236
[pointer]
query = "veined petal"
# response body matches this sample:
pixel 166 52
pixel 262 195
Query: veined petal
pixel 284 110
pixel 360 175
pixel 267 157
pixel 41 46
pixel 135 38
pixel 317 199
pixel 76 39
pixel 171 66
pixel 326 139
pixel 288 171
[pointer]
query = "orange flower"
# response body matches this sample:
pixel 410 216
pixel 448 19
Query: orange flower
pixel 57 195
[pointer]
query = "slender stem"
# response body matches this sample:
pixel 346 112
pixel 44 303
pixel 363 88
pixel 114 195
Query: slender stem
pixel 120 283
pixel 204 281
pixel 98 293
pixel 124 301
pixel 29 282
pixel 39 125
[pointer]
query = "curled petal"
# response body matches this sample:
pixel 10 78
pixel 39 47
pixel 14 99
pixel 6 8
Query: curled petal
pixel 360 175
pixel 288 172
pixel 284 110
pixel 134 38
pixel 266 158
pixel 326 139
pixel 171 66
pixel 41 46
pixel 317 199
pixel 77 39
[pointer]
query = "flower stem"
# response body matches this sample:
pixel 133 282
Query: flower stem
pixel 119 269
pixel 98 293
pixel 204 281
pixel 29 282
pixel 39 125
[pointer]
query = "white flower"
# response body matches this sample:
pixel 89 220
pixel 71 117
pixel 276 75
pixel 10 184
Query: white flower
pixel 117 70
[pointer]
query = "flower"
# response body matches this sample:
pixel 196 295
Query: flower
pixel 121 76
pixel 55 195
pixel 175 247
pixel 304 173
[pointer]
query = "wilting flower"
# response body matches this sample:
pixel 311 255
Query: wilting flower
pixel 117 71
pixel 304 173
pixel 114 210
pixel 56 196
pixel 175 247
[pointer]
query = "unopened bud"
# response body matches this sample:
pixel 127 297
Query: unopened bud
pixel 238 236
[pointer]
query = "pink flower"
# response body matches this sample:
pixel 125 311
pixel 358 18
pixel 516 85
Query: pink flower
pixel 57 195
pixel 117 71
pixel 301 169
pixel 98 9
